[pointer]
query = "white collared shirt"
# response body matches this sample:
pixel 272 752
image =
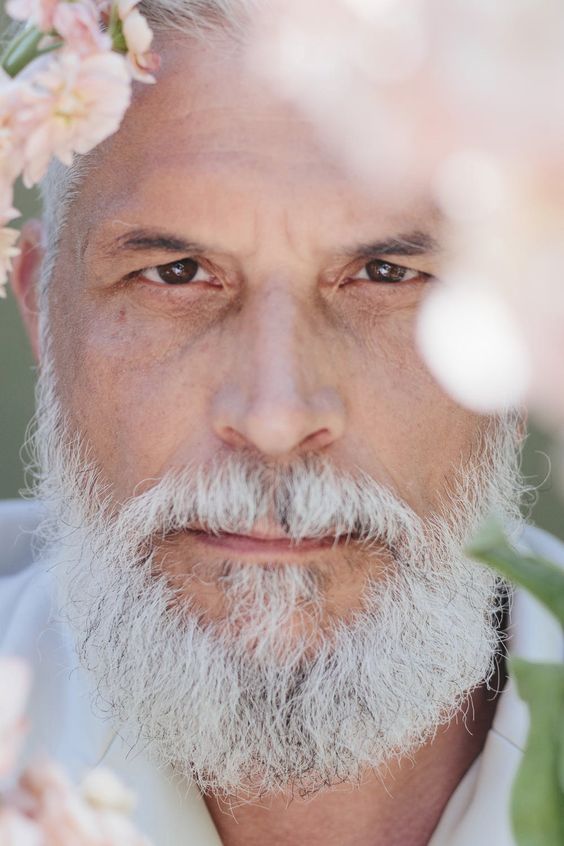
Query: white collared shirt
pixel 170 812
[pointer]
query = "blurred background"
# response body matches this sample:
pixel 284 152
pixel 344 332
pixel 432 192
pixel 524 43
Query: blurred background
pixel 16 404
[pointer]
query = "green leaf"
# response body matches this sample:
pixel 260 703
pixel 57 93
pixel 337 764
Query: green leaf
pixel 538 792
pixel 115 28
pixel 541 577
pixel 21 51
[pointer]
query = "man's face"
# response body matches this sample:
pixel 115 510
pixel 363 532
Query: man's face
pixel 269 318
pixel 232 336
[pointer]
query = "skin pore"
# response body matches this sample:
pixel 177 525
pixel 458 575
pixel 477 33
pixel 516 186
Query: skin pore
pixel 287 329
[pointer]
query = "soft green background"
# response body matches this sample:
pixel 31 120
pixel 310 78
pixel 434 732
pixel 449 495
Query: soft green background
pixel 16 406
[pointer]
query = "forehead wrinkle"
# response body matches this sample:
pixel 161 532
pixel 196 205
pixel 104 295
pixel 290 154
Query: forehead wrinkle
pixel 168 130
pixel 205 160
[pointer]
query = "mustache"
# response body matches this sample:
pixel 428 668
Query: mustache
pixel 309 498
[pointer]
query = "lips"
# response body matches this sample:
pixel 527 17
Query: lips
pixel 261 542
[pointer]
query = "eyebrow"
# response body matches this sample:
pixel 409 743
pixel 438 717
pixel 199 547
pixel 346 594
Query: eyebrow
pixel 149 240
pixel 415 243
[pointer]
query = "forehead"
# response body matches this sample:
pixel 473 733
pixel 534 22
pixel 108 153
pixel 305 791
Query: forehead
pixel 210 139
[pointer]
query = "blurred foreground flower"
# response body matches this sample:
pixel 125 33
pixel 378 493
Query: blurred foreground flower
pixel 15 683
pixel 137 36
pixel 8 249
pixel 43 808
pixel 455 102
pixel 65 84
pixel 493 331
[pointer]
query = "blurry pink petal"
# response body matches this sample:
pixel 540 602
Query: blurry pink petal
pixel 15 677
pixel 102 789
pixel 138 37
pixel 94 817
pixel 142 67
pixel 79 24
pixel 11 158
pixel 117 830
pixel 73 104
pixel 125 7
pixel 62 816
pixel 473 346
pixel 137 32
pixel 10 742
pixel 39 13
pixel 18 830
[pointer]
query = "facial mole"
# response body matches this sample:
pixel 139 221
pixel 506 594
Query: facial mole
pixel 121 315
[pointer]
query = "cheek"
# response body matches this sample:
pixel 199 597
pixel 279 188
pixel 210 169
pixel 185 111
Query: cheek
pixel 138 398
pixel 414 435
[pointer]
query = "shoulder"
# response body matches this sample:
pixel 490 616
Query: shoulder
pixel 25 590
pixel 18 521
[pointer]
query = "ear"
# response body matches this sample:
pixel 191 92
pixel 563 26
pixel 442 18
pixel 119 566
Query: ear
pixel 25 274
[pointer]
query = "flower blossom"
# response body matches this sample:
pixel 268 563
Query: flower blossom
pixel 11 159
pixel 93 816
pixel 78 24
pixel 15 682
pixel 71 105
pixel 492 333
pixel 44 808
pixel 441 100
pixel 8 251
pixel 17 830
pixel 39 13
pixel 138 37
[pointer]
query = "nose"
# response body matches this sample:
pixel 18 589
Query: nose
pixel 280 396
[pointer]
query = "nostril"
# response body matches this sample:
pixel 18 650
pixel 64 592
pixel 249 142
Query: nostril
pixel 280 425
pixel 232 437
pixel 318 440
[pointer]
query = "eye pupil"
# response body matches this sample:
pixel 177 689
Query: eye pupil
pixel 381 271
pixel 178 272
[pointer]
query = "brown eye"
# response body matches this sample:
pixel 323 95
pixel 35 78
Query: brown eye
pixel 178 272
pixel 383 271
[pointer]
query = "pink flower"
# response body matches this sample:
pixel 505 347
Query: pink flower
pixel 11 159
pixel 15 678
pixel 72 104
pixel 39 13
pixel 79 24
pixel 138 37
pixel 93 817
pixel 47 796
pixel 18 830
pixel 8 251
pixel 102 789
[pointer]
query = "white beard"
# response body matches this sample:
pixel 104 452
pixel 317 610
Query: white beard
pixel 241 705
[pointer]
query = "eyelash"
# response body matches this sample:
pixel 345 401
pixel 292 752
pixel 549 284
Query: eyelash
pixel 158 267
pixel 389 270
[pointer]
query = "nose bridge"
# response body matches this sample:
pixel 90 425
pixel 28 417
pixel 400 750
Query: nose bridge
pixel 280 397
pixel 278 343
